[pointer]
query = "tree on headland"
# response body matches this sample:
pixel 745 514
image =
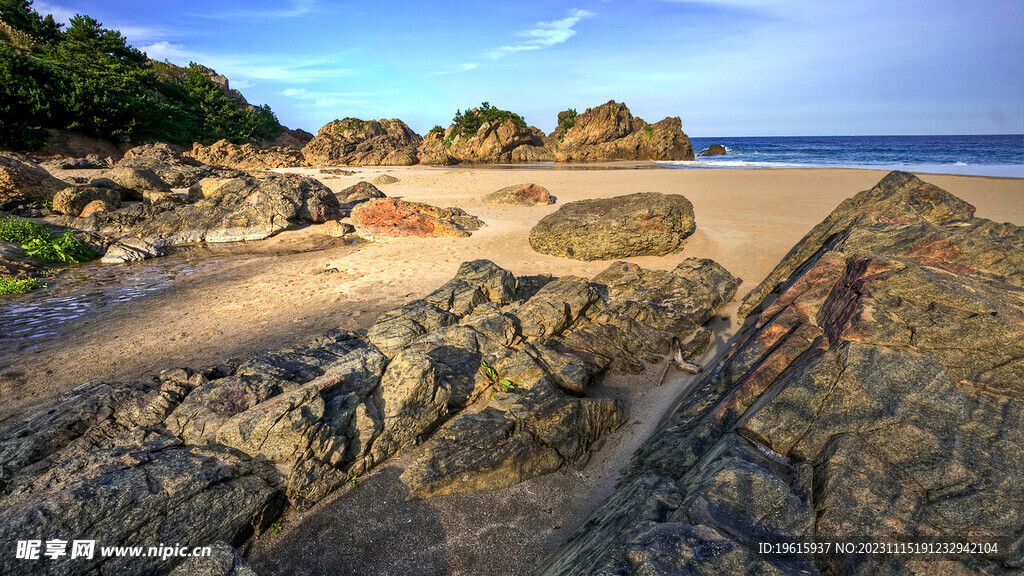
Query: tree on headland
pixel 89 79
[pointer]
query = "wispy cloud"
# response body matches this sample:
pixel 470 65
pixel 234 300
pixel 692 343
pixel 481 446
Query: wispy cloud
pixel 543 35
pixel 458 68
pixel 293 9
pixel 257 67
pixel 328 99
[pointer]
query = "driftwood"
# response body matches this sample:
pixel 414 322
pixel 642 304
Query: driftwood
pixel 682 354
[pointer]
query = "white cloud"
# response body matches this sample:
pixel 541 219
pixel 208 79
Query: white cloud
pixel 295 9
pixel 134 34
pixel 543 35
pixel 60 13
pixel 256 67
pixel 458 68
pixel 328 99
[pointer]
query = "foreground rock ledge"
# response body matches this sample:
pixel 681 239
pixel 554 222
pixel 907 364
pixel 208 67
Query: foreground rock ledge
pixel 197 456
pixel 878 398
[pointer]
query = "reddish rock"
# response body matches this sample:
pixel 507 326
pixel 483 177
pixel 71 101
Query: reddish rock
pixel 394 217
pixel 96 206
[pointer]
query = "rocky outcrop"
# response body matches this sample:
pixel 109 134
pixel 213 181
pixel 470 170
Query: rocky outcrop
pixel 246 156
pixel 714 150
pixel 355 142
pixel 521 194
pixel 23 179
pixel 877 398
pixel 384 179
pixel 74 145
pixel 171 164
pixel 395 218
pixel 494 141
pixel 131 182
pixel 223 210
pixel 222 561
pixel 633 225
pixel 215 454
pixel 611 132
pixel 296 139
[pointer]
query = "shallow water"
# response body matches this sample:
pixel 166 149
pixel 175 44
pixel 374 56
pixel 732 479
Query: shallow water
pixel 94 287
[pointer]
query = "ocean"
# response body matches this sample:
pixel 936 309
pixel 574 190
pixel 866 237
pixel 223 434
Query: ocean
pixel 989 155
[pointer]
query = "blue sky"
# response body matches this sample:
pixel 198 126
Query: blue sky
pixel 726 67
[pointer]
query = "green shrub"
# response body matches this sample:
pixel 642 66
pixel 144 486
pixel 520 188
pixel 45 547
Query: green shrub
pixel 467 125
pixel 40 241
pixel 9 285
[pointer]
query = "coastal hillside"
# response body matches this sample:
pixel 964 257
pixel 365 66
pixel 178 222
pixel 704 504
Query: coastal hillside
pixel 87 79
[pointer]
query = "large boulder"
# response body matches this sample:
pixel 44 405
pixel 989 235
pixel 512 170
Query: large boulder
pixel 135 180
pixel 246 156
pixel 23 179
pixel 242 208
pixel 877 398
pixel 714 150
pixel 644 224
pixel 359 192
pixel 385 217
pixel 521 194
pixel 169 163
pixel 611 132
pixel 73 199
pixel 494 141
pixel 355 142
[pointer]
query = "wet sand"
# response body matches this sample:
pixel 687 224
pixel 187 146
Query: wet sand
pixel 291 288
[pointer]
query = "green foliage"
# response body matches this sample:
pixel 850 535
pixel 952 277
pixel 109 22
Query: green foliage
pixel 436 130
pixel 352 479
pixel 649 130
pixel 40 241
pixel 276 528
pixel 566 120
pixel 89 79
pixel 497 382
pixel 467 125
pixel 9 285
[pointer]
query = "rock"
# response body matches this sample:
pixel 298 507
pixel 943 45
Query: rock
pixel 158 198
pixel 76 145
pixel 130 249
pixel 14 262
pixel 714 150
pixel 336 172
pixel 134 179
pixel 172 166
pixel 223 561
pixel 209 186
pixel 876 399
pixel 293 139
pixel 611 132
pixel 243 208
pixel 525 194
pixel 632 225
pixel 20 178
pixel 367 143
pixel 395 218
pixel 247 156
pixel 97 206
pixel 73 200
pixel 532 153
pixel 337 229
pixel 90 162
pixel 494 141
pixel 384 179
pixel 360 192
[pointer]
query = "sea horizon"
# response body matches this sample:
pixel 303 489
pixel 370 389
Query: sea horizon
pixel 999 155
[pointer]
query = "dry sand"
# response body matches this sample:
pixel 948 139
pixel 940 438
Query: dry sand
pixel 299 284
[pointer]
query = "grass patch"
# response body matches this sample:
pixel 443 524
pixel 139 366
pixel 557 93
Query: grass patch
pixel 9 285
pixel 39 240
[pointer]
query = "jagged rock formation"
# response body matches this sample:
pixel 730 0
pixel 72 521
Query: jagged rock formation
pixel 197 456
pixel 877 399
pixel 522 194
pixel 611 132
pixel 494 141
pixel 246 156
pixel 640 224
pixel 23 179
pixel 355 142
pixel 393 217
